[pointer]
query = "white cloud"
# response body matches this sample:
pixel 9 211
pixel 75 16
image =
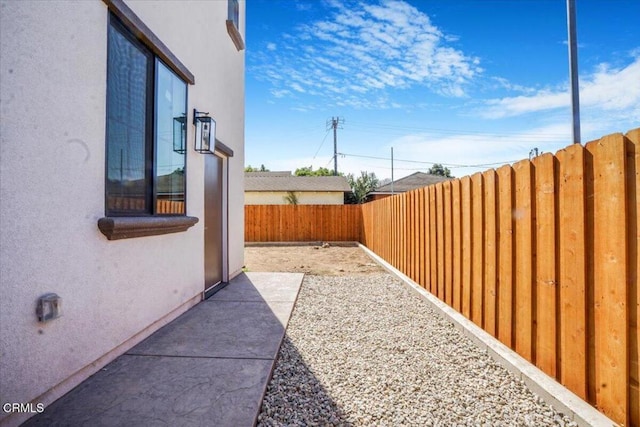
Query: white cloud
pixel 365 50
pixel 613 89
pixel 271 46
pixel 280 93
pixel 466 154
pixel 517 105
pixel 605 89
pixel 503 83
pixel 297 87
pixel 303 6
pixel 463 153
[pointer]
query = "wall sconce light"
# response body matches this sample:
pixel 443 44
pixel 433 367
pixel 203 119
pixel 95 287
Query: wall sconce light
pixel 180 134
pixel 205 132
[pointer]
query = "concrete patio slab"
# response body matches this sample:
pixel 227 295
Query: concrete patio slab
pixel 259 286
pixel 210 366
pixel 222 329
pixel 164 391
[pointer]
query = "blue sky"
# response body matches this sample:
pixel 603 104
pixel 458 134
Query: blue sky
pixel 465 83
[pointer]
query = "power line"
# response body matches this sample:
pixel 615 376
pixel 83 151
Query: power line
pixel 329 162
pixel 323 139
pixel 416 169
pixel 456 131
pixel 451 165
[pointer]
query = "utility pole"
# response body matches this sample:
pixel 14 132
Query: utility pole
pixel 333 124
pixel 335 145
pixel 573 69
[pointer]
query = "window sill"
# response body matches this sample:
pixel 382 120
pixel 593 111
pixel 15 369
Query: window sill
pixel 116 228
pixel 235 35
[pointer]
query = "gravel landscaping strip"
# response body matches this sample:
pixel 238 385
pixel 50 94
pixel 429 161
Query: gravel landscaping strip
pixel 366 350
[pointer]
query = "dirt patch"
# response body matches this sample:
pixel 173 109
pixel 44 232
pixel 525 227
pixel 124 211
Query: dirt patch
pixel 316 260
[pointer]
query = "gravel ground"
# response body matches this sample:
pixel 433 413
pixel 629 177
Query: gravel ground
pixel 365 350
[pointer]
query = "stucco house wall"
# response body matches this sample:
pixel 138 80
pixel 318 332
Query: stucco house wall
pixel 304 198
pixel 52 190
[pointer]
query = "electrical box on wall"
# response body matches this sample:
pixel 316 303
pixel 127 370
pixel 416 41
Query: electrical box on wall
pixel 48 308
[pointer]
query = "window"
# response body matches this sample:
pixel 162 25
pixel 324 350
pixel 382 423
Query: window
pixel 233 14
pixel 146 120
pixel 233 23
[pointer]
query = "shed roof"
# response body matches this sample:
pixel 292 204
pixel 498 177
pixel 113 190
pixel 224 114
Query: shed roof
pixel 279 181
pixel 411 182
pixel 266 173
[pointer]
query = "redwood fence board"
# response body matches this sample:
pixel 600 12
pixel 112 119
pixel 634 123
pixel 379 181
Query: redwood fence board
pixel 465 303
pixel 573 270
pixel 448 243
pixel 546 285
pixel 439 204
pixel 633 189
pixel 433 253
pixel 421 237
pixel 506 255
pixel 477 249
pixel 610 276
pixel 524 298
pixel 457 245
pixel 490 254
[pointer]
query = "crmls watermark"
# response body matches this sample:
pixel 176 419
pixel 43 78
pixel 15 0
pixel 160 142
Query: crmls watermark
pixel 23 408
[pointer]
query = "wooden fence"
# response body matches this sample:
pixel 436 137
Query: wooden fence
pixel 302 223
pixel 163 206
pixel 543 255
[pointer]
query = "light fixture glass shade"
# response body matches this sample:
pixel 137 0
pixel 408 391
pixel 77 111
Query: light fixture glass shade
pixel 205 132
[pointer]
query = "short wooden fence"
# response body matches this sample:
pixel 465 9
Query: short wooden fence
pixel 302 223
pixel 163 206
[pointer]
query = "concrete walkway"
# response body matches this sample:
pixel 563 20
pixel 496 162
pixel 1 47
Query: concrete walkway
pixel 209 367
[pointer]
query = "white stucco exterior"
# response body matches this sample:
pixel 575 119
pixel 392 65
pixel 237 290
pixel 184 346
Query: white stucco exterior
pixel 304 197
pixel 52 190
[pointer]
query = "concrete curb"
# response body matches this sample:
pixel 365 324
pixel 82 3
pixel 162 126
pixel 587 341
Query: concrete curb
pixel 537 381
pixel 346 244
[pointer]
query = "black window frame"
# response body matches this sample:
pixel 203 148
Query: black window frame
pixel 150 141
pixel 127 227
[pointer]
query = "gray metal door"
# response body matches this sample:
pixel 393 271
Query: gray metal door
pixel 212 223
